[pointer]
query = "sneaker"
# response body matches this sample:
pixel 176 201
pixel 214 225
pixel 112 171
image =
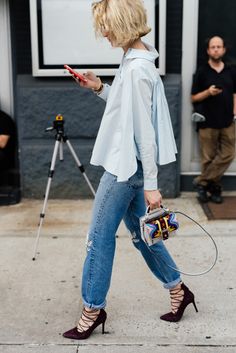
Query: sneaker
pixel 201 192
pixel 215 191
pixel 216 198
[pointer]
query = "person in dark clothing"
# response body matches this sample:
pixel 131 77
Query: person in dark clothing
pixel 214 96
pixel 7 142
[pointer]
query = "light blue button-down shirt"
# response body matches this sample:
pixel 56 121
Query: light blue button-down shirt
pixel 136 123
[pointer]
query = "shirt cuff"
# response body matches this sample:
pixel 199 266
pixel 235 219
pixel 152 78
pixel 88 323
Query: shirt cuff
pixel 105 91
pixel 150 184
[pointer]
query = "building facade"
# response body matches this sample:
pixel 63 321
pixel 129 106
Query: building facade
pixel 34 102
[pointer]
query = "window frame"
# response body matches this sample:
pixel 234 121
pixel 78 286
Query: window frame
pixel 40 69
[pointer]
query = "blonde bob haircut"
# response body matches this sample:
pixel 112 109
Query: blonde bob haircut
pixel 125 20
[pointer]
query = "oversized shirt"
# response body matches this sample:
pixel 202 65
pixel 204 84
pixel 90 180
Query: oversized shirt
pixel 136 122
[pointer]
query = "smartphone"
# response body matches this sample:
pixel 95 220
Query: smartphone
pixel 75 73
pixel 218 87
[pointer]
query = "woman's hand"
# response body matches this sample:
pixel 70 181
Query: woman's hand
pixel 153 198
pixel 93 82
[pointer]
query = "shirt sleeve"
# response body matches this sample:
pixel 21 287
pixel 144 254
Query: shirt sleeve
pixel 197 85
pixel 144 133
pixel 233 69
pixel 6 124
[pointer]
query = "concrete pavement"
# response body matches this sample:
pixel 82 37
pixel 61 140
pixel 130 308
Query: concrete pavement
pixel 41 299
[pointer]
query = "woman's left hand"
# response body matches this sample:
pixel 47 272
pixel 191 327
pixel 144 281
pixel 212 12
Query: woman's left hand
pixel 92 81
pixel 153 198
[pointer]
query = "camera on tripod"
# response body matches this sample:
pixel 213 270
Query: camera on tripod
pixel 58 124
pixel 60 137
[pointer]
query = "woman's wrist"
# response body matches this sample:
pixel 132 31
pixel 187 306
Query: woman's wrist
pixel 99 88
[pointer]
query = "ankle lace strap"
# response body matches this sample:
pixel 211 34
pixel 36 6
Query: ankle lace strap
pixel 87 318
pixel 176 298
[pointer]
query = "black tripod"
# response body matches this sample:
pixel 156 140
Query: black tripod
pixel 61 138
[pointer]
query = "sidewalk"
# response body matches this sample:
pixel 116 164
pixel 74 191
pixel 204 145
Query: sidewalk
pixel 41 299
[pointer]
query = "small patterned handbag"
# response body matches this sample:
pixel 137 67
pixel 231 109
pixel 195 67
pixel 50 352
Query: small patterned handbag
pixel 157 224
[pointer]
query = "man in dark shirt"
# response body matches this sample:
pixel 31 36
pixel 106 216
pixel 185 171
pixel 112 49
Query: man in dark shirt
pixel 7 141
pixel 214 96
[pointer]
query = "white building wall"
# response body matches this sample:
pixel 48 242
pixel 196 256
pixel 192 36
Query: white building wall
pixel 6 89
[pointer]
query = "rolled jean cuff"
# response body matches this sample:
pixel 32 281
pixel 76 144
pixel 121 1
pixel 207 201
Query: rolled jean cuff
pixel 92 306
pixel 172 284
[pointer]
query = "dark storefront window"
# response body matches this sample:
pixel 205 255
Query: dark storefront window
pixel 217 17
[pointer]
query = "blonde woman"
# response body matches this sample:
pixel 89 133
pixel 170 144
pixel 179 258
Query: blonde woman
pixel 135 135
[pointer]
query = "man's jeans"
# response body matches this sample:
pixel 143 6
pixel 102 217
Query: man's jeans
pixel 115 201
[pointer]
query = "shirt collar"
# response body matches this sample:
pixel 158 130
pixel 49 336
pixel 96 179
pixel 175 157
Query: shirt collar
pixel 226 66
pixel 151 54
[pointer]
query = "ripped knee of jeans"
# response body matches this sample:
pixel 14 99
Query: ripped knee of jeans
pixel 88 243
pixel 134 237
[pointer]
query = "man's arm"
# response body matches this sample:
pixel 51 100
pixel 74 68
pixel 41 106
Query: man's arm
pixel 234 104
pixel 201 96
pixel 3 140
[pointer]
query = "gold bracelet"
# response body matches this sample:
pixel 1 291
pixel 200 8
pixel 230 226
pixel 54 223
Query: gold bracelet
pixel 99 90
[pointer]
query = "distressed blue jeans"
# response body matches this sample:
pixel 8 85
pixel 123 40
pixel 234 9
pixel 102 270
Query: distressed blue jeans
pixel 115 201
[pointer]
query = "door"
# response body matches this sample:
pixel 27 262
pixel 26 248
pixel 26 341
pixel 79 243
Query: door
pixel 202 19
pixel 217 17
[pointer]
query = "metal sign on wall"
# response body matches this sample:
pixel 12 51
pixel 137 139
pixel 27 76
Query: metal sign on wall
pixel 62 33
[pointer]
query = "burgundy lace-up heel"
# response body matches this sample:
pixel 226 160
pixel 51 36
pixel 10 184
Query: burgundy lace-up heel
pixel 84 329
pixel 180 299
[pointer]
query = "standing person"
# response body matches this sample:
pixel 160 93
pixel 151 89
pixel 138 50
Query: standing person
pixel 7 141
pixel 214 91
pixel 135 133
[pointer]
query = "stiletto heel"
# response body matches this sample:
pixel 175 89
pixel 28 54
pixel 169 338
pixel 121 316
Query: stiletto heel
pixel 175 294
pixel 87 317
pixel 195 306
